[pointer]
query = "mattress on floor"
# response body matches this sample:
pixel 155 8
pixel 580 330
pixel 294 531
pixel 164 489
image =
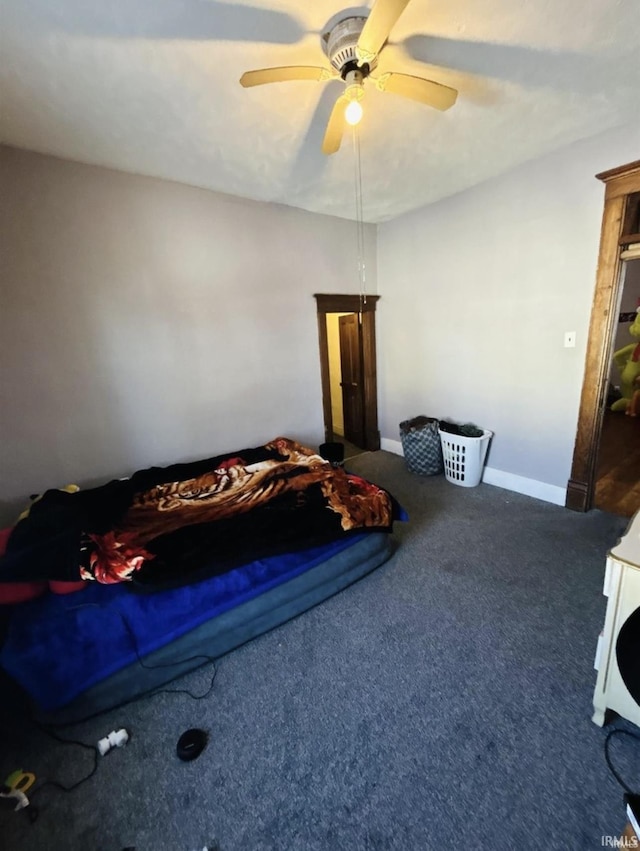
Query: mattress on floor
pixel 79 654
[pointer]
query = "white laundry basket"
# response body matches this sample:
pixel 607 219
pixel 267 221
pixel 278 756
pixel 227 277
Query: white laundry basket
pixel 464 457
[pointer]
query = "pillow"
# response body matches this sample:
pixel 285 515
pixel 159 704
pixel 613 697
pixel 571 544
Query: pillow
pixel 17 592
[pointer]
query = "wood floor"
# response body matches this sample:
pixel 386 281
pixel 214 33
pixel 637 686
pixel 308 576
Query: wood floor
pixel 618 472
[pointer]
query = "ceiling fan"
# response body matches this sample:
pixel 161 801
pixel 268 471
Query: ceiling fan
pixel 352 47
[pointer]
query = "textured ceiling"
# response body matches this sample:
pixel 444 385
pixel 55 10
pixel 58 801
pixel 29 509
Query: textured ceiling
pixel 151 86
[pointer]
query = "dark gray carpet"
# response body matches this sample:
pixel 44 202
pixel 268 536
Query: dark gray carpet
pixel 443 702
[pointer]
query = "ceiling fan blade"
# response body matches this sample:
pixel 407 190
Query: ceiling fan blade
pixel 285 74
pixel 335 126
pixel 376 30
pixel 417 88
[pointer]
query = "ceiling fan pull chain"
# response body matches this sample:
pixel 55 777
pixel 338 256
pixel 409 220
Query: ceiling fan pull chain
pixel 362 231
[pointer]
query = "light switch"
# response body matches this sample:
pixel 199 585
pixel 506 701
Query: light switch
pixel 569 339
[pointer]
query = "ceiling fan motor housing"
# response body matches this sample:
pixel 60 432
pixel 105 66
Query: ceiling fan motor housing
pixel 340 47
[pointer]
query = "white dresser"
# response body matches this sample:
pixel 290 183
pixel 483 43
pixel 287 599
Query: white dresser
pixel 622 587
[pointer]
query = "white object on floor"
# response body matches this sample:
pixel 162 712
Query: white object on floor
pixel 463 457
pixel 17 795
pixel 622 587
pixel 115 739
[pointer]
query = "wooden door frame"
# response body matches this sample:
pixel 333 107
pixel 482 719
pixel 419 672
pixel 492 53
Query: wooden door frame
pixel 619 228
pixel 366 308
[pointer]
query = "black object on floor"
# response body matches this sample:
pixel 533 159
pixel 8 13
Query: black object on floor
pixel 333 452
pixel 191 744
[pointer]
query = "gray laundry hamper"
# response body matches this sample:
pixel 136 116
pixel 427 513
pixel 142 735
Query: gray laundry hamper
pixel 421 446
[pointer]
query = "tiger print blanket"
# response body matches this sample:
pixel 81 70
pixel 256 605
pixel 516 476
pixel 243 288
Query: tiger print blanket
pixel 167 526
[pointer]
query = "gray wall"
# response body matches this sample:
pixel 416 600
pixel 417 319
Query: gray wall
pixel 144 322
pixel 476 294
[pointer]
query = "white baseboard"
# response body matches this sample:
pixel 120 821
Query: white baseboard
pixel 508 481
pixel 391 446
pixel 528 487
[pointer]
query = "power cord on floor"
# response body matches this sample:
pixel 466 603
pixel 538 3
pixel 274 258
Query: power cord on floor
pixel 630 798
pixel 57 785
pixel 619 731
pixel 154 692
pixel 50 730
pixel 32 811
pixel 149 667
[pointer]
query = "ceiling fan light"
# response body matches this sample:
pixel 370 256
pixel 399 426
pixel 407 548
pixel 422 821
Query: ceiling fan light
pixel 353 112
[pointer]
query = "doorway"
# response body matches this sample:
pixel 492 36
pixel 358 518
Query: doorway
pixel 619 242
pixel 345 378
pixel 346 334
pixel 617 481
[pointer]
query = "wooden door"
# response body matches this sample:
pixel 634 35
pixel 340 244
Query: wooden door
pixel 620 229
pixel 352 390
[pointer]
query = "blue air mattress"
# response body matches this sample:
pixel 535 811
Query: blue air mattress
pixel 79 654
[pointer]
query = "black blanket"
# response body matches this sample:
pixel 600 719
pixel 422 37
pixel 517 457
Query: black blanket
pixel 176 524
